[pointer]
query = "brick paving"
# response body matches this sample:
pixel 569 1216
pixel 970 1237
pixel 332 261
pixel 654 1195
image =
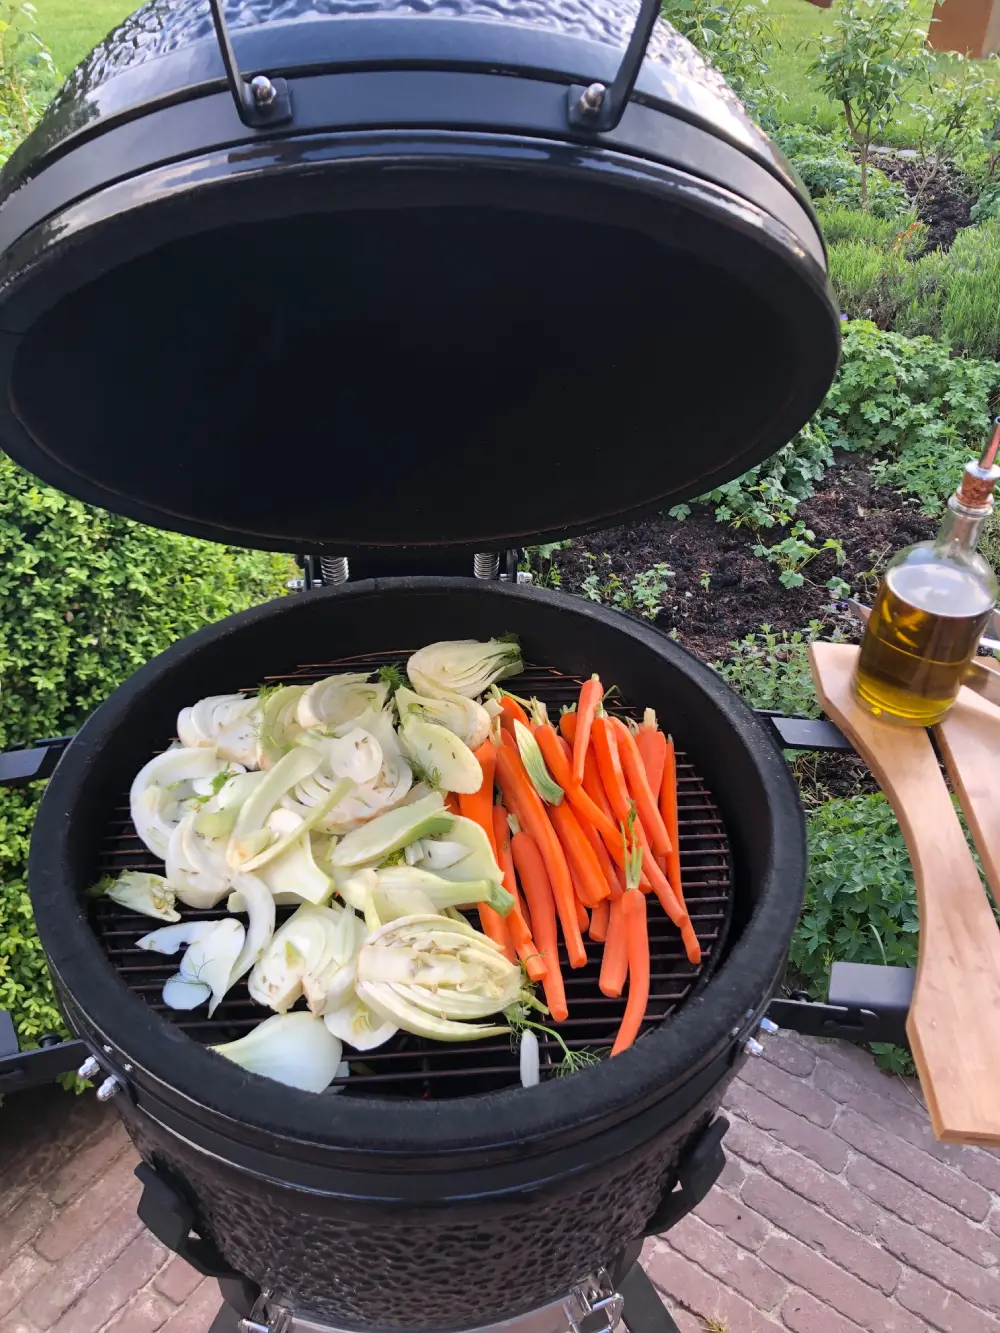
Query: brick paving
pixel 838 1212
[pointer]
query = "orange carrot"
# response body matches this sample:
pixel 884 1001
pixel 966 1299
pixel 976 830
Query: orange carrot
pixel 567 725
pixel 582 915
pixel 530 865
pixel 516 785
pixel 512 712
pixel 610 767
pixel 587 874
pixel 516 923
pixel 478 806
pixel 599 921
pixel 638 788
pixel 451 803
pixel 591 694
pixel 653 747
pixel 614 965
pixel 633 907
pixel 669 811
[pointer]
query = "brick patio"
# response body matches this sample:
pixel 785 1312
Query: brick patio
pixel 837 1213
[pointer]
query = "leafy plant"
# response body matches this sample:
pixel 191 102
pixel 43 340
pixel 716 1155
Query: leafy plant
pixel 770 669
pixel 540 562
pixel 955 297
pixel 830 172
pixel 868 64
pixel 27 73
pixel 739 38
pixel 955 117
pixel 767 495
pixel 85 599
pixel 642 594
pixel 795 551
pixel 894 235
pixel 870 282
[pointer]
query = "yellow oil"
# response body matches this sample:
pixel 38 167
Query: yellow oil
pixel 923 630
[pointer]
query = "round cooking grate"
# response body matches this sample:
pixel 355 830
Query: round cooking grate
pixel 409 1066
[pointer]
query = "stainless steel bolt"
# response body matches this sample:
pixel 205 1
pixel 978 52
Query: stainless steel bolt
pixel 753 1047
pixel 108 1089
pixel 525 576
pixel 593 97
pixel 769 1026
pixel 264 91
pixel 295 585
pixel 89 1069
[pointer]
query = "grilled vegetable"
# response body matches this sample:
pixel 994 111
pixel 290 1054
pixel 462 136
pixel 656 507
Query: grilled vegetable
pixel 448 761
pixel 295 1049
pixel 432 976
pixel 462 666
pixel 228 722
pixel 531 756
pixel 279 724
pixel 208 962
pixel 392 831
pixel 468 719
pixel 339 699
pixel 163 792
pixel 304 955
pixel 150 894
pixel 356 1024
pixel 255 840
pixel 168 939
pixel 447 891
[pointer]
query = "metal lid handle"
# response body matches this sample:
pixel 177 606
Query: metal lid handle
pixel 599 109
pixel 260 101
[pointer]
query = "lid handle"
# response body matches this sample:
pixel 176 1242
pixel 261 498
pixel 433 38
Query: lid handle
pixel 597 108
pixel 260 101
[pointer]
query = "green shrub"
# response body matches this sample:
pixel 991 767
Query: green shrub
pixel 841 223
pixel 27 74
pixel 85 599
pixel 738 38
pixel 870 282
pixel 769 493
pixel 830 172
pixel 771 670
pixel 956 296
pixel 988 203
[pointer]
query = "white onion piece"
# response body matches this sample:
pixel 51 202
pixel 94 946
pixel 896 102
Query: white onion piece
pixel 295 1049
pixel 168 939
pixel 179 993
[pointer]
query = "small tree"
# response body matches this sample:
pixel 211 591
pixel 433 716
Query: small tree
pixel 870 61
pixel 739 39
pixel 956 118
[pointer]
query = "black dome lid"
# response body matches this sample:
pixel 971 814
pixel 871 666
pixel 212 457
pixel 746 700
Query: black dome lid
pixel 428 308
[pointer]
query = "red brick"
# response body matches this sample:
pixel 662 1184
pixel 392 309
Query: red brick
pixel 994 1220
pixel 941 1308
pixel 981 1166
pixel 910 1122
pixel 23 1222
pixel 912 1164
pixel 686 1323
pixel 789 1090
pixel 822 1146
pixel 733 1175
pixel 685 1284
pixel 804 1177
pixel 803 1314
pixel 177 1280
pixel 790 1055
pixel 19 1277
pixel 868 1308
pixel 198 1312
pixel 915 1250
pixel 807 1224
pixel 920 1210
pixel 727 1262
pixel 738 1222
pixel 145 1313
pixel 117 1284
pixel 84 1166
pixel 74 1224
pixel 73 1276
pixel 38 1136
pixel 15 1322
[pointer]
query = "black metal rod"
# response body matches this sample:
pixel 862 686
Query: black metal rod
pixel 617 97
pixel 237 84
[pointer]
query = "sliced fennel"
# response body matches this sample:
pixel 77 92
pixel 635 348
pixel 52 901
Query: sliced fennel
pixel 257 902
pixel 295 1049
pixel 462 666
pixel 179 993
pixel 150 894
pixel 295 871
pixel 357 756
pixel 339 699
pixel 279 725
pixel 431 975
pixel 478 862
pixel 229 722
pixel 444 892
pixel 168 939
pixel 468 719
pixel 216 818
pixel 391 831
pixel 354 1023
pixel 210 958
pixel 438 853
pixel 304 956
pixel 196 865
pixel 163 790
pixel 253 843
pixel 541 779
pixel 439 753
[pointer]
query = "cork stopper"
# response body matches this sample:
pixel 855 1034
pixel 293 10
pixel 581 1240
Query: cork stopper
pixel 979 478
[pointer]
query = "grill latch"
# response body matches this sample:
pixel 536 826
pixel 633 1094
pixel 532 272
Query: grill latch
pixel 594 1306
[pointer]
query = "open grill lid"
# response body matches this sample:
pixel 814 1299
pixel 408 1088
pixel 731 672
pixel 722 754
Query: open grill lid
pixel 423 296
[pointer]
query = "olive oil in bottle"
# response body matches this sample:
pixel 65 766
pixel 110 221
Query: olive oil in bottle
pixel 932 607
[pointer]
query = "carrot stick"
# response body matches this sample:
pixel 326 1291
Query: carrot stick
pixel 567 725
pixel 516 923
pixel 478 806
pixel 528 806
pixel 637 785
pixel 669 811
pixel 587 874
pixel 591 694
pixel 633 907
pixel 599 921
pixel 610 767
pixel 511 712
pixel 530 865
pixel 652 746
pixel 451 803
pixel 614 965
pixel 582 915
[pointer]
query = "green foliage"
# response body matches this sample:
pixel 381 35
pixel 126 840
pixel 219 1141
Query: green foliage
pixel 868 64
pixel 956 296
pixel 830 172
pixel 27 73
pixel 795 551
pixel 85 599
pixel 841 223
pixel 642 594
pixel 869 281
pixel 739 39
pixel 771 669
pixel 955 118
pixel 539 561
pixel 768 494
pixel 988 203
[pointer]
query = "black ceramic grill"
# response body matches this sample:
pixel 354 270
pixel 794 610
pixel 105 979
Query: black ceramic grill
pixel 408 1066
pixel 402 288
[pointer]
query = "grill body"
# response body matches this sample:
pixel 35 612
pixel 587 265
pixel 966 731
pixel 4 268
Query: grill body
pixel 373 1210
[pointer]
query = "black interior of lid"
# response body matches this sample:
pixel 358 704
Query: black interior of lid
pixel 409 377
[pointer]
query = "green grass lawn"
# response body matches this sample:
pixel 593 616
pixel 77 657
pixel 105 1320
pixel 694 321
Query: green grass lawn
pixel 71 28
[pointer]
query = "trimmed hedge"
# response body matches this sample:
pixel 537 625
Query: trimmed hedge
pixel 85 599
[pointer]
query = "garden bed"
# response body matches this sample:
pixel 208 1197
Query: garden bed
pixel 945 206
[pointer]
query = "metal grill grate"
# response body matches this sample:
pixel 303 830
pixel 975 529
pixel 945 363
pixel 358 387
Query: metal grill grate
pixel 409 1066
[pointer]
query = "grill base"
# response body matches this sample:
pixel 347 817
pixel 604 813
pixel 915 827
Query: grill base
pixel 409 1067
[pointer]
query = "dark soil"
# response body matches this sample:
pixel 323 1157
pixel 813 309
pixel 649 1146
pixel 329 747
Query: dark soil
pixel 944 207
pixel 722 591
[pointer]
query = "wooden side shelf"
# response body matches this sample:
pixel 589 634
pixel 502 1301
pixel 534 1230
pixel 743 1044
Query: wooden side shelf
pixel 954 1020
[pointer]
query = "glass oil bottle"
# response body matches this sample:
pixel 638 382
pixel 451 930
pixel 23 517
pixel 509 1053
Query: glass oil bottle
pixel 933 605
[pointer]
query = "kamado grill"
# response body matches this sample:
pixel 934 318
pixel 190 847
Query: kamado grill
pixel 402 291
